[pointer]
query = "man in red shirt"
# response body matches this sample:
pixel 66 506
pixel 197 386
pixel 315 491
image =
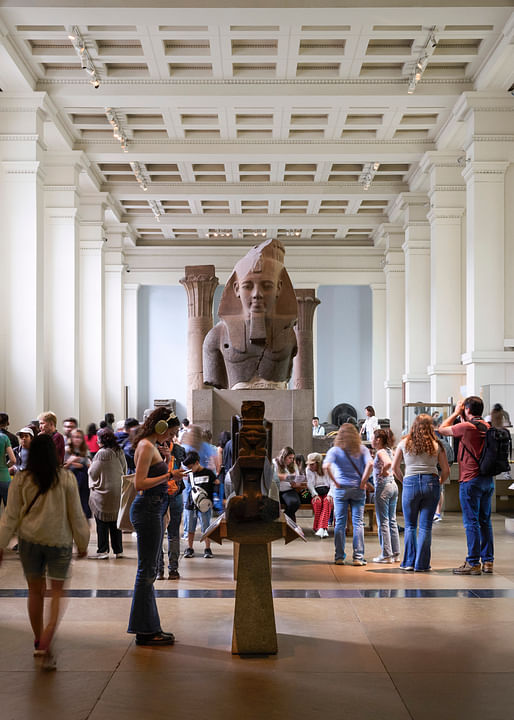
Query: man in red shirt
pixel 48 426
pixel 475 490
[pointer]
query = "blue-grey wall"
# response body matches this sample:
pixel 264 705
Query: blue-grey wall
pixel 162 346
pixel 343 346
pixel 343 371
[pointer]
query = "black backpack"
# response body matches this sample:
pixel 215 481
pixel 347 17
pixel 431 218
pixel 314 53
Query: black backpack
pixel 496 450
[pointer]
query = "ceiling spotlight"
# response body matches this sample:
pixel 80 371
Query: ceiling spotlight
pixel 86 62
pixel 422 61
pixel 142 177
pixel 157 208
pixel 117 132
pixel 368 173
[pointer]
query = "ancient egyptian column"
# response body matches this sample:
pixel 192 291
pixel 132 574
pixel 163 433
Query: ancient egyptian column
pixel 200 283
pixel 303 365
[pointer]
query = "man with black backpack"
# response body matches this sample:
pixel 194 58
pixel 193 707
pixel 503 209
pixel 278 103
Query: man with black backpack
pixel 482 452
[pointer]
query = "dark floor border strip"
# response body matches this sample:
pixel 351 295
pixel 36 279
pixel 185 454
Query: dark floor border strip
pixel 303 594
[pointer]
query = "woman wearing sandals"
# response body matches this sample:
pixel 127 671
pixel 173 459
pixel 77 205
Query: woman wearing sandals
pixel 146 514
pixel 421 489
pixel 44 510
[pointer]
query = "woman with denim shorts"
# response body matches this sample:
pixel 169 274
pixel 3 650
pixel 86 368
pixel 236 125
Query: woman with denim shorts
pixel 146 514
pixel 421 454
pixel 44 509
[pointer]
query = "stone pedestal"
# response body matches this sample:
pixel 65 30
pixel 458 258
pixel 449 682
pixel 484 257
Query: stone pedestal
pixel 303 364
pixel 290 411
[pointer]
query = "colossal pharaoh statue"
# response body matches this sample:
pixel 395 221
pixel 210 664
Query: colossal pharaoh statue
pixel 254 343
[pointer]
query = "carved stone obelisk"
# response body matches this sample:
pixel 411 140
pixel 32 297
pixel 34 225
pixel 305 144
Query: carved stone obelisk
pixel 200 282
pixel 303 364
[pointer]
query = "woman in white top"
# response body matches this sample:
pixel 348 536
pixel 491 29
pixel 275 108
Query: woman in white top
pixel 286 470
pixel 386 497
pixel 44 510
pixel 318 483
pixel 370 423
pixel 421 488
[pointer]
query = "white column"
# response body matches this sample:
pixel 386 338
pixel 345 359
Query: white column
pixel 447 202
pixel 131 345
pixel 412 208
pixel 487 120
pixel 21 250
pixel 378 348
pixel 62 288
pixel 394 269
pixel 91 322
pixel 114 269
pixel 485 261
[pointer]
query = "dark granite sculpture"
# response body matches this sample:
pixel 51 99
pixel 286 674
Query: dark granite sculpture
pixel 254 343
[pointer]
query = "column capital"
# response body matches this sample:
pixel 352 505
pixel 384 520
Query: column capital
pixel 485 171
pixel 409 208
pixel 377 287
pixel 22 170
pixel 200 283
pixel 388 236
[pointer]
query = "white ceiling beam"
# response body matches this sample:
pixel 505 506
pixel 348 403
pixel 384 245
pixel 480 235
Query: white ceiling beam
pixel 184 191
pixel 286 220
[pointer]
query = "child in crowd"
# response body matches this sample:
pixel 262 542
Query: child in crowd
pixel 203 479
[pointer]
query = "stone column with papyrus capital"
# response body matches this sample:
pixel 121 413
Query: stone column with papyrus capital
pixel 200 283
pixel 303 365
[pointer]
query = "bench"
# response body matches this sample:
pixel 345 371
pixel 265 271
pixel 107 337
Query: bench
pixel 370 520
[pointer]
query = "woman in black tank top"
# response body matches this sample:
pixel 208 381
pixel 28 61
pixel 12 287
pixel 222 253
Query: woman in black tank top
pixel 146 514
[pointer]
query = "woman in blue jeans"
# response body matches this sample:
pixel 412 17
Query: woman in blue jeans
pixel 421 453
pixel 146 515
pixel 386 497
pixel 349 466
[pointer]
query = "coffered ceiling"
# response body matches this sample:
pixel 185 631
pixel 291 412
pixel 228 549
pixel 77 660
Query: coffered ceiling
pixel 238 123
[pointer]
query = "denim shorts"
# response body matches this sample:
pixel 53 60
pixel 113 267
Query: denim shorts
pixel 38 560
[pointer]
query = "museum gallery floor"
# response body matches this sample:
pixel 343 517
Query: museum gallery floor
pixel 369 642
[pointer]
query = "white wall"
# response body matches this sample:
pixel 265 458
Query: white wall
pixel 162 346
pixel 343 348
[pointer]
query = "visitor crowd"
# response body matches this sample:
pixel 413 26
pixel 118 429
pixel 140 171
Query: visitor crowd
pixel 152 477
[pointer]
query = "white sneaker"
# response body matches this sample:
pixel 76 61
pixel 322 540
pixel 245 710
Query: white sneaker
pixel 98 556
pixel 511 486
pixel 385 560
pixel 325 533
pixel 319 533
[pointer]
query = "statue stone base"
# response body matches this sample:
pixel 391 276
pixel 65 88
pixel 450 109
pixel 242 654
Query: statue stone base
pixel 290 411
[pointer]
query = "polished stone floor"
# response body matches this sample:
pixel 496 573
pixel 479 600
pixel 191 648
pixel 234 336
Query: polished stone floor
pixel 372 642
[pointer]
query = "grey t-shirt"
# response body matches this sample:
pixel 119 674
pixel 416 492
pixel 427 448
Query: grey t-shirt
pixel 423 463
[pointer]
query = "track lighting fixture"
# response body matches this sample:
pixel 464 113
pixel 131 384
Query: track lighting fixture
pixel 117 131
pixel 368 173
pixel 422 61
pixel 157 208
pixel 139 170
pixel 85 58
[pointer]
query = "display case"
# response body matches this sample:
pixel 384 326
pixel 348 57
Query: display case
pixel 439 411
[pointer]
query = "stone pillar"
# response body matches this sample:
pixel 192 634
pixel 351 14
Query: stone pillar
pixel 487 119
pixel 378 345
pixel 394 269
pixel 303 363
pixel 61 272
pixel 114 269
pixel 21 250
pixel 200 283
pixel 416 248
pixel 447 202
pixel 92 336
pixel 130 345
pixel 485 357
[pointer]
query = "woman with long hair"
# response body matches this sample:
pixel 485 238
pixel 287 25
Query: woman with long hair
pixel 146 514
pixel 421 453
pixel 44 510
pixel 286 471
pixel 76 459
pixel 386 497
pixel 349 466
pixel 105 482
pixel 318 483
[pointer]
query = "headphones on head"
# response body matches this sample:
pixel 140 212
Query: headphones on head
pixel 161 426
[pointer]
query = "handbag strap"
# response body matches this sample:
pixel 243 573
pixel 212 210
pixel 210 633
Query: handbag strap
pixel 359 473
pixel 31 504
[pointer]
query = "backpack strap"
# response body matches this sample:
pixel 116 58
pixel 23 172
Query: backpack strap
pixel 476 424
